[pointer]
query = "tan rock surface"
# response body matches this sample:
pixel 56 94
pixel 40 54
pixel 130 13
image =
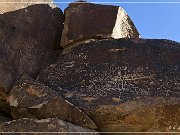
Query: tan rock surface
pixel 12 5
pixel 142 115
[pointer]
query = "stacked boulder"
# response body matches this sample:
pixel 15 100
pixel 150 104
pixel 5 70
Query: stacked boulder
pixel 85 71
pixel 85 22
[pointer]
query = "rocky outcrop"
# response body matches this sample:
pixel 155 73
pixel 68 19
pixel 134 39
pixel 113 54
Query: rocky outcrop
pixel 31 99
pixel 44 126
pixel 12 5
pixel 28 38
pixel 102 76
pixel 92 21
pixel 106 79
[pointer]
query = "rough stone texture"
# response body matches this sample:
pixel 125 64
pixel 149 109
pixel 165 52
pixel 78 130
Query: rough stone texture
pixel 31 99
pixel 12 5
pixel 155 114
pixel 28 38
pixel 111 73
pixel 44 125
pixel 92 21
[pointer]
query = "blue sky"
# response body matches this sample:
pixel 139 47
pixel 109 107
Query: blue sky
pixel 153 20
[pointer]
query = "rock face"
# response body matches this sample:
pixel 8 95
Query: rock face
pixel 45 125
pixel 141 115
pixel 31 99
pixel 91 21
pixel 12 5
pixel 102 76
pixel 106 78
pixel 28 38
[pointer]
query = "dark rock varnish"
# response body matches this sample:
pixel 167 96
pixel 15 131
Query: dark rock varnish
pixel 31 99
pixel 85 21
pixel 106 85
pixel 44 126
pixel 101 76
pixel 28 38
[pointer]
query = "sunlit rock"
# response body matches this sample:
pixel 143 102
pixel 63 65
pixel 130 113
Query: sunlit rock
pixel 85 21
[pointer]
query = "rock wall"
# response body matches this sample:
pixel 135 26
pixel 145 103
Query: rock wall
pixel 85 70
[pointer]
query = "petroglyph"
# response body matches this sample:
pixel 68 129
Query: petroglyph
pixel 103 79
pixel 112 69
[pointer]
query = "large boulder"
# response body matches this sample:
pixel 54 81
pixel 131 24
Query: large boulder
pixel 12 5
pixel 31 99
pixel 85 21
pixel 28 38
pixel 119 83
pixel 44 126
